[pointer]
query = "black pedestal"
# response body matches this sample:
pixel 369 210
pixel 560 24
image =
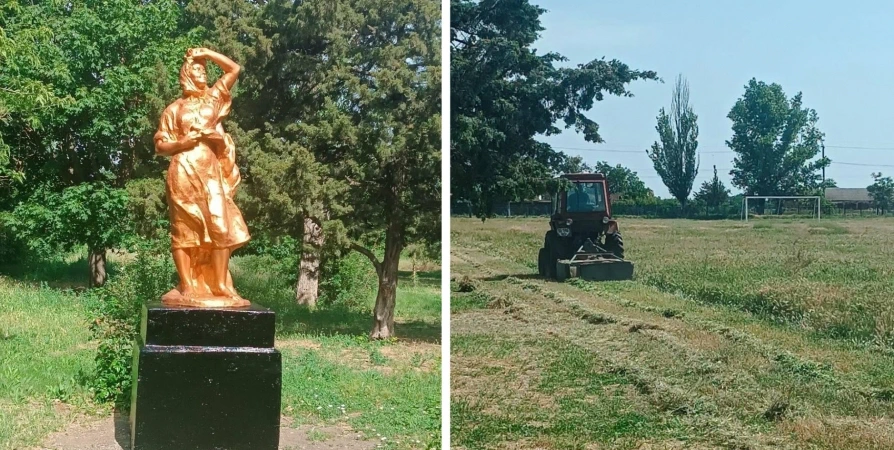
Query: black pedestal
pixel 206 379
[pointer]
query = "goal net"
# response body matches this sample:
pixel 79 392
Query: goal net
pixel 781 206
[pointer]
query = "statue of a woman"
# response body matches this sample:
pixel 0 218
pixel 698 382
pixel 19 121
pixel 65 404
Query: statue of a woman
pixel 206 225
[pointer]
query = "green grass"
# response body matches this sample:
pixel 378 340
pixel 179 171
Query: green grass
pixel 423 303
pixel 572 401
pixel 387 390
pixel 332 372
pixel 44 351
pixel 831 277
pixel 340 382
pixel 770 334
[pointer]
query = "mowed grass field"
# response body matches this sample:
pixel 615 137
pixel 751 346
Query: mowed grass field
pixel 333 375
pixel 771 334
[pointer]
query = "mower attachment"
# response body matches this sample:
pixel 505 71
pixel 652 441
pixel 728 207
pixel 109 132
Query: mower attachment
pixel 592 262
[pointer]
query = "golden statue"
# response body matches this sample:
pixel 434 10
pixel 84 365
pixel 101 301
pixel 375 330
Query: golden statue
pixel 206 225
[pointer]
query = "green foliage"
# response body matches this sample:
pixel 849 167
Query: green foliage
pixel 106 65
pixel 675 158
pixel 396 173
pixel 505 95
pixel 882 191
pixel 339 121
pixel 713 193
pixel 281 254
pixel 13 249
pixel 115 311
pixel 776 141
pixel 146 207
pixel 26 60
pixel 347 281
pixel 624 181
pixel 91 214
pixel 575 164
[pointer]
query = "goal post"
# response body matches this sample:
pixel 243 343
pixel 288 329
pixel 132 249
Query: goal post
pixel 818 207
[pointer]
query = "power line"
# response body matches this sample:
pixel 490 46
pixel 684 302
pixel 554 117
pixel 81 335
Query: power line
pixel 613 150
pixel 862 165
pixel 860 148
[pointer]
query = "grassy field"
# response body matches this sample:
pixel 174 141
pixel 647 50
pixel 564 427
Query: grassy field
pixel 771 334
pixel 332 374
pixel 44 350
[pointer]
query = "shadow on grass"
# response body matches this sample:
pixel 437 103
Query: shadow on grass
pixel 60 273
pixel 336 320
pixel 324 320
pixel 520 276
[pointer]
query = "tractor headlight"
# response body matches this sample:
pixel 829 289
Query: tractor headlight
pixel 564 232
pixel 605 219
pixel 568 222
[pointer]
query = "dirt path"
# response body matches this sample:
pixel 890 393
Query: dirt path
pixel 708 378
pixel 113 433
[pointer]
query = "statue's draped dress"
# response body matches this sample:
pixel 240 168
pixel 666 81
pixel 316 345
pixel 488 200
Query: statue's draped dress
pixel 202 181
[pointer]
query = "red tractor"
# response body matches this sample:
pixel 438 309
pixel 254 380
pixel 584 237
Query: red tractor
pixel 583 240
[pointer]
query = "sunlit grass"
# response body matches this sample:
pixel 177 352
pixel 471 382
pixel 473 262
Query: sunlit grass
pixel 387 390
pixel 44 350
pixel 332 373
pixel 771 334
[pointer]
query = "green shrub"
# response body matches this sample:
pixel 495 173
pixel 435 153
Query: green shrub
pixel 348 281
pixel 115 312
pixel 282 252
pixel 13 249
pixel 147 208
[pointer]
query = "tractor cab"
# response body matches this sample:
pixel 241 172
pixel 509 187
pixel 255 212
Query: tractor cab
pixel 584 239
pixel 583 209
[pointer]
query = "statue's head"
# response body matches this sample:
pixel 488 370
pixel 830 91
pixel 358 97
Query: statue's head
pixel 193 79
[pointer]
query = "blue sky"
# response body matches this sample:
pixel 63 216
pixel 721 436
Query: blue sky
pixel 840 56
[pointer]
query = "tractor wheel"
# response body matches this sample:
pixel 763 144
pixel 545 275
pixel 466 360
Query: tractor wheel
pixel 542 256
pixel 614 243
pixel 552 252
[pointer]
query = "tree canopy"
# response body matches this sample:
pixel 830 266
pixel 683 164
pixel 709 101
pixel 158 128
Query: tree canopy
pixel 882 191
pixel 96 72
pixel 776 141
pixel 713 192
pixel 675 158
pixel 505 95
pixel 623 181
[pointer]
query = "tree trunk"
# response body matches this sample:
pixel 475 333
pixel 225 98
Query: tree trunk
pixel 96 261
pixel 308 289
pixel 383 327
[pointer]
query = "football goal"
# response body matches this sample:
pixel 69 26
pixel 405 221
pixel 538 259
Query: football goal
pixel 783 206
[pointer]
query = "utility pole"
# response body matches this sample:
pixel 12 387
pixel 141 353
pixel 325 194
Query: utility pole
pixel 823 144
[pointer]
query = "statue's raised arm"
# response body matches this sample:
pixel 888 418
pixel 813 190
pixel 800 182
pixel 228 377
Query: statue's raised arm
pixel 230 68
